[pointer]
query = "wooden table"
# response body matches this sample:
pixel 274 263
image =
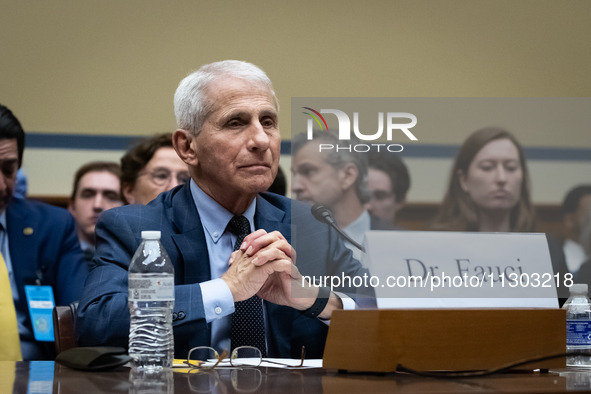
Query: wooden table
pixel 45 377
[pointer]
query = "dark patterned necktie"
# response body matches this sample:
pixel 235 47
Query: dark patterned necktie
pixel 248 325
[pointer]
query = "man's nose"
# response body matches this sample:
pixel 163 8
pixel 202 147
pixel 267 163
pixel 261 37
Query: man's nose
pixel 296 184
pixel 259 139
pixel 98 202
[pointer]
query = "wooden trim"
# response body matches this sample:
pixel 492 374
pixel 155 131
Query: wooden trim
pixel 58 201
pixel 419 216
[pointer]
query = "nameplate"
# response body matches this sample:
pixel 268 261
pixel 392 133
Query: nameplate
pixel 456 269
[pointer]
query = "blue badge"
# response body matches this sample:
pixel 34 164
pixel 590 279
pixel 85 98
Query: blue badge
pixel 41 303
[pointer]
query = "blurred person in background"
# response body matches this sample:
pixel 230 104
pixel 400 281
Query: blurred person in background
pixel 575 206
pixel 38 246
pixel 150 168
pixel 20 188
pixel 388 181
pixel 489 190
pixel 336 180
pixel 96 188
pixel 584 273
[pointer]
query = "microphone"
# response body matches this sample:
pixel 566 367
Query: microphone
pixel 323 215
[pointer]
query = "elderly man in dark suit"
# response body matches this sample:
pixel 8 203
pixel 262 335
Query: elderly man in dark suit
pixel 228 135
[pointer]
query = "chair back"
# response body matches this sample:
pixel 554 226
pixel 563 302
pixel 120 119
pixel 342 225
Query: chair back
pixel 64 327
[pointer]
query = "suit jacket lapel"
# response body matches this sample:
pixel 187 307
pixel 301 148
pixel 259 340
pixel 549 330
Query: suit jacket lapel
pixel 189 238
pixel 270 218
pixel 23 249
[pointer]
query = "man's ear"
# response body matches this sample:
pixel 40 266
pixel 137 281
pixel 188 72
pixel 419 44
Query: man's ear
pixel 183 143
pixel 127 192
pixel 350 173
pixel 462 180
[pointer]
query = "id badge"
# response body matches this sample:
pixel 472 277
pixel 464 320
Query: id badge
pixel 41 303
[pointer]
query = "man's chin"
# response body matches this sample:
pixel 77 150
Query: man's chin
pixel 258 185
pixel 89 232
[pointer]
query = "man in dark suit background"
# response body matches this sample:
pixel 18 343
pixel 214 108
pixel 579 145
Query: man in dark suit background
pixel 228 135
pixel 388 181
pixel 96 188
pixel 37 241
pixel 336 180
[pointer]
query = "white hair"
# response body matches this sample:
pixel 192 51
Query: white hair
pixel 191 104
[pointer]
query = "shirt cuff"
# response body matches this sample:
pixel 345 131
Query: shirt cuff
pixel 348 305
pixel 217 299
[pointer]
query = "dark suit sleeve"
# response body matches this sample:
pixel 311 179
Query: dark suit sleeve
pixel 72 269
pixel 103 313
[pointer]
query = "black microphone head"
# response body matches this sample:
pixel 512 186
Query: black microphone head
pixel 322 214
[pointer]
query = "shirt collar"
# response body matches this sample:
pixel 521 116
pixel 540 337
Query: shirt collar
pixel 86 246
pixel 214 217
pixel 358 227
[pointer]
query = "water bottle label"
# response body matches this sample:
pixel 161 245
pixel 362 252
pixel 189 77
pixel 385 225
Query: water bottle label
pixel 578 332
pixel 151 289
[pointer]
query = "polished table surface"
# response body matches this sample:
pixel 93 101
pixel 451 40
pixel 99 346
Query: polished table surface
pixel 47 377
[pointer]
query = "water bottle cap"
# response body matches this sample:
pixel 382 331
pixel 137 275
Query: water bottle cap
pixel 150 234
pixel 579 288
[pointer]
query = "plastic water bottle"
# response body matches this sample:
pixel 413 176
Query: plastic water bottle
pixel 578 325
pixel 151 303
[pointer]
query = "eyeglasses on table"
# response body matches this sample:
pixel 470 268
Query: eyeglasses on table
pixel 207 358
